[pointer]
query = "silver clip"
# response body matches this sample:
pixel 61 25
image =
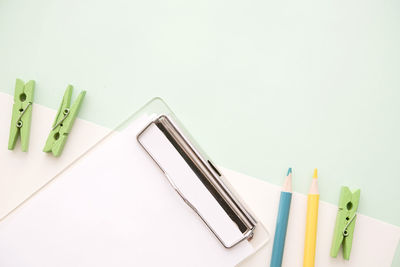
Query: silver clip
pixel 195 166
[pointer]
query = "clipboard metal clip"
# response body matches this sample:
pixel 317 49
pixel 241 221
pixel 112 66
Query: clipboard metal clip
pixel 197 181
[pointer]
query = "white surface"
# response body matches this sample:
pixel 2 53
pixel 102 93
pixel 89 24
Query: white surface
pixel 189 185
pixel 113 207
pixel 23 173
pixel 18 183
pixel 374 242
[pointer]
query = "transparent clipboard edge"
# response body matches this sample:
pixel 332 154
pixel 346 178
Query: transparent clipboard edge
pixel 157 107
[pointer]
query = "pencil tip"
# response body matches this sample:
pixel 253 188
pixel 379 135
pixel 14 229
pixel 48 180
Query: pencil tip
pixel 315 173
pixel 289 171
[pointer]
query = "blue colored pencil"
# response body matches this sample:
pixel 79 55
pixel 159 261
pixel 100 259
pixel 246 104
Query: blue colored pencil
pixel 282 221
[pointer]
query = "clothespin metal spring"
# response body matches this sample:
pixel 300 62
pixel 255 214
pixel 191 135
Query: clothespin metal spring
pixel 19 121
pixel 66 113
pixel 345 233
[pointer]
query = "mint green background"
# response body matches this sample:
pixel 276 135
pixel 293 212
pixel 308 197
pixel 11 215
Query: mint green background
pixel 262 85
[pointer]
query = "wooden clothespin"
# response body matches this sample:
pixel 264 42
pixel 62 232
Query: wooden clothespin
pixel 63 122
pixel 21 114
pixel 345 222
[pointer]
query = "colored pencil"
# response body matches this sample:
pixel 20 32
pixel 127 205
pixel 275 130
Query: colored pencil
pixel 311 223
pixel 282 221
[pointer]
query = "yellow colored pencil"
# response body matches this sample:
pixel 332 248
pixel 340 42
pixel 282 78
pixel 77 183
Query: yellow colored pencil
pixel 311 223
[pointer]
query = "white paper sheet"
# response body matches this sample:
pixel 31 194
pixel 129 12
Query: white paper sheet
pixel 113 207
pixel 374 242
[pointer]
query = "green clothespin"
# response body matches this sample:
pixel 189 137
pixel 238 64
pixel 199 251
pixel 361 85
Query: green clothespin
pixel 21 114
pixel 345 222
pixel 63 122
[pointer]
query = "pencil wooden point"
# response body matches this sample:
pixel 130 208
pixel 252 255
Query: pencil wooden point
pixel 315 173
pixel 287 186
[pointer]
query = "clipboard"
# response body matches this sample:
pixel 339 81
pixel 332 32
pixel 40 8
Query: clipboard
pixel 72 205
